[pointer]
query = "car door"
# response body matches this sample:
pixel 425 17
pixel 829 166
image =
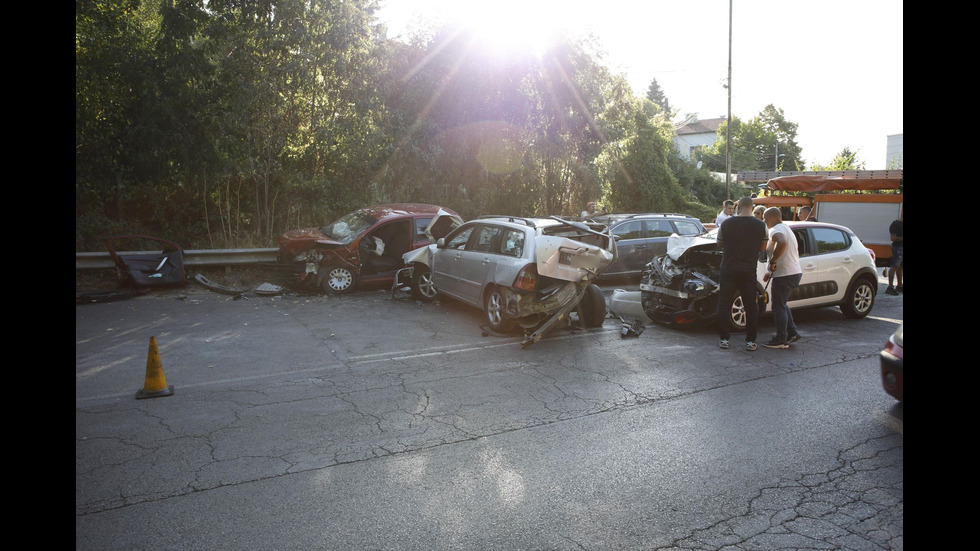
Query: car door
pixel 446 261
pixel 631 249
pixel 476 261
pixel 657 231
pixel 824 258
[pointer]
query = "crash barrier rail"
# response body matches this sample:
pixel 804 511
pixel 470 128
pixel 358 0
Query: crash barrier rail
pixel 204 257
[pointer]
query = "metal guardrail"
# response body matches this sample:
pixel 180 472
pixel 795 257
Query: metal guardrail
pixel 204 257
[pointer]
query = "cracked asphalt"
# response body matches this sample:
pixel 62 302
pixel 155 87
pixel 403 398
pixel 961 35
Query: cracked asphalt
pixel 366 422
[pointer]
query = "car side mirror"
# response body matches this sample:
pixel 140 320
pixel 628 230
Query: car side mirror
pixel 441 243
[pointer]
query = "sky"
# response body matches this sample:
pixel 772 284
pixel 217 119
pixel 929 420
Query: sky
pixel 835 67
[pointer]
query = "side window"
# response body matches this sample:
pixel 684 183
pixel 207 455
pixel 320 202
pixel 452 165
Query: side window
pixel 829 240
pixel 803 242
pixel 458 241
pixel 512 243
pixel 630 230
pixel 486 240
pixel 420 225
pixel 687 227
pixel 659 228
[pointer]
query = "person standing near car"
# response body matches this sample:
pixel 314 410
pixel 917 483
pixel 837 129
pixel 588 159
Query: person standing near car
pixel 741 237
pixel 897 261
pixel 785 271
pixel 726 211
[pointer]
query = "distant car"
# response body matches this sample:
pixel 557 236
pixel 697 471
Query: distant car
pixel 642 237
pixel 364 246
pixel 681 286
pixel 892 368
pixel 519 271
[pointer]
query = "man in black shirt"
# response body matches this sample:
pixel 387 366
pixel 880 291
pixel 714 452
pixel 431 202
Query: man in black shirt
pixel 897 262
pixel 741 237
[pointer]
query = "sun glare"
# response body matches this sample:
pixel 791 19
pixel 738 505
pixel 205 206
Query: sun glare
pixel 514 26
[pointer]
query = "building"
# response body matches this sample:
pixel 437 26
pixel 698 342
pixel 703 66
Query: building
pixel 693 133
pixel 895 155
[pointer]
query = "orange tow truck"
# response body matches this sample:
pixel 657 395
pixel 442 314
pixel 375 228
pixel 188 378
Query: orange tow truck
pixel 863 201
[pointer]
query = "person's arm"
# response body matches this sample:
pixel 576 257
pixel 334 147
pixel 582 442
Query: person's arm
pixel 779 247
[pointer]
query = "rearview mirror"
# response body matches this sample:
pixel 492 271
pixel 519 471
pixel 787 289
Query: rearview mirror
pixel 441 243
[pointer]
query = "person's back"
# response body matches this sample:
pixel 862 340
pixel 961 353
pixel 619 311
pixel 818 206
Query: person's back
pixel 740 237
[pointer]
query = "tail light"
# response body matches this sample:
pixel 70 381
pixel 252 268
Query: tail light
pixel 527 278
pixel 874 257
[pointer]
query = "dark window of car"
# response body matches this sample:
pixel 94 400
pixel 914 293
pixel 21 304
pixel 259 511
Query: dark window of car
pixel 458 240
pixel 659 228
pixel 688 227
pixel 512 243
pixel 829 240
pixel 420 225
pixel 629 230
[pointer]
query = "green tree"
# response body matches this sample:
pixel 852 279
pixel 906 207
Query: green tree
pixel 756 144
pixel 657 96
pixel 844 160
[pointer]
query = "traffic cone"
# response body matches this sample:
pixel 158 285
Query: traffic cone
pixel 155 384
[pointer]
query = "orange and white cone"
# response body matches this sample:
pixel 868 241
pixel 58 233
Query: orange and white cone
pixel 155 384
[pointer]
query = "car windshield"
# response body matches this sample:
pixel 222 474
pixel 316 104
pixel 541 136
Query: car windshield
pixel 346 228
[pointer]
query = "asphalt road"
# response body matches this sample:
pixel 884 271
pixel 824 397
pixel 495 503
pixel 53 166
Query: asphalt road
pixel 366 422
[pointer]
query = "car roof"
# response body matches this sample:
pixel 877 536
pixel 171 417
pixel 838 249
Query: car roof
pixel 403 210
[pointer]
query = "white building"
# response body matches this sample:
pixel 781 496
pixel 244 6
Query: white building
pixel 692 133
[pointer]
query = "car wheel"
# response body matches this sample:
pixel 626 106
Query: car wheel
pixel 494 308
pixel 422 286
pixel 859 300
pixel 592 309
pixel 337 279
pixel 737 315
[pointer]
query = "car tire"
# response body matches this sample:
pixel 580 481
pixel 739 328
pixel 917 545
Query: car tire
pixel 494 311
pixel 337 280
pixel 422 286
pixel 859 300
pixel 592 309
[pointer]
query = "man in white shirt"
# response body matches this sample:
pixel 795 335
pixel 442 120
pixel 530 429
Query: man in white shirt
pixel 785 271
pixel 727 210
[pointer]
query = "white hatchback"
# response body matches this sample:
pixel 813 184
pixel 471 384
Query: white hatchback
pixel 681 287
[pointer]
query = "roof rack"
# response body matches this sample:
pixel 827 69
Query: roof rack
pixel 508 218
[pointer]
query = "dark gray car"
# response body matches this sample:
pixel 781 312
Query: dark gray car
pixel 641 237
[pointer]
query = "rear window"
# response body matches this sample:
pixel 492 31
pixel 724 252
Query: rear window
pixel 830 240
pixel 688 227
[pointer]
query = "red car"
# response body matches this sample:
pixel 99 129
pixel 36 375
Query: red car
pixel 364 246
pixel 892 368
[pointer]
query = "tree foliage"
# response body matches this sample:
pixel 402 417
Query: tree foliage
pixel 765 142
pixel 222 123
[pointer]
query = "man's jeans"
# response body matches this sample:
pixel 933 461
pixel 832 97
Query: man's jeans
pixel 782 316
pixel 731 283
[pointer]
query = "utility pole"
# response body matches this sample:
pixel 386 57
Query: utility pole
pixel 728 134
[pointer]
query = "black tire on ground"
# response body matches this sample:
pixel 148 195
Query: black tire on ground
pixel 422 286
pixel 859 300
pixel 592 309
pixel 494 311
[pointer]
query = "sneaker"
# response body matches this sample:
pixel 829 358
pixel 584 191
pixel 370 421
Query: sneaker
pixel 750 346
pixel 900 289
pixel 723 344
pixel 891 291
pixel 775 344
pixel 793 338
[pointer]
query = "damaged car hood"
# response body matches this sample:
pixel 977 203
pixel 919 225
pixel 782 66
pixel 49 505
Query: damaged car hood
pixel 297 241
pixel 677 245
